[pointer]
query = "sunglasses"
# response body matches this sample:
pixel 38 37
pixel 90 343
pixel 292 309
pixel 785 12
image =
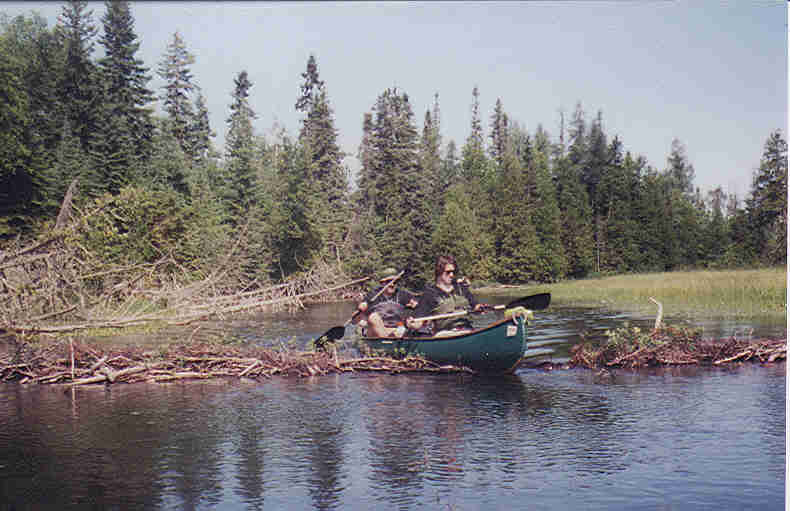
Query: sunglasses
pixel 449 272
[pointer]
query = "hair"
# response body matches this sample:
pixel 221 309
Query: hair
pixel 443 261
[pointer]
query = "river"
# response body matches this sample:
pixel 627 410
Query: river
pixel 677 438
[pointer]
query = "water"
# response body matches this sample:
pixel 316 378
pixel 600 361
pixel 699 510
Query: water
pixel 680 438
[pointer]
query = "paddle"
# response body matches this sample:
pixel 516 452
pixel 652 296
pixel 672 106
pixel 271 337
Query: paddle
pixel 337 332
pixel 532 302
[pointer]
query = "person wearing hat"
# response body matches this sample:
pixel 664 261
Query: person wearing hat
pixel 386 305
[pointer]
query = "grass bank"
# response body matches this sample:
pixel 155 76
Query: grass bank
pixel 719 293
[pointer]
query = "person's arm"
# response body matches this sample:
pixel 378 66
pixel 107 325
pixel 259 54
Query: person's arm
pixel 407 298
pixel 424 308
pixel 463 285
pixel 365 303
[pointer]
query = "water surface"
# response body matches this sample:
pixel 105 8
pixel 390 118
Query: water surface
pixel 681 438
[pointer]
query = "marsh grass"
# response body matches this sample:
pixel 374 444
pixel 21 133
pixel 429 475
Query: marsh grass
pixel 720 293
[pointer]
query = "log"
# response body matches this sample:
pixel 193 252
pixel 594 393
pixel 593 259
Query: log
pixel 103 377
pixel 250 368
pixel 182 376
pixel 660 313
pixel 734 357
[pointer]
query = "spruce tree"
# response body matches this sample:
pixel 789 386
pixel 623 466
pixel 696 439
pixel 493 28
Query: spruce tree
pixel 79 85
pixel 240 150
pixel 392 186
pixel 123 143
pixel 551 262
pixel 16 187
pixel 576 215
pixel 461 231
pixel 175 70
pixel 516 239
pixel 431 160
pixel 474 164
pixel 717 235
pixel 200 147
pixel 767 207
pixel 30 120
pixel 679 171
pixel 499 135
pixel 324 178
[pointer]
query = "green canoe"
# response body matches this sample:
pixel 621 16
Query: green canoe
pixel 497 347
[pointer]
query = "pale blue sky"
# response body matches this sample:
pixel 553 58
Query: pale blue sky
pixel 712 74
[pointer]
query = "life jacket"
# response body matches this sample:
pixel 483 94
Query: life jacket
pixel 456 301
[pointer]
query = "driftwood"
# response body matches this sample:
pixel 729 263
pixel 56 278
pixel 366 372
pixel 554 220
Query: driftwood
pixel 54 285
pixel 76 364
pixel 662 349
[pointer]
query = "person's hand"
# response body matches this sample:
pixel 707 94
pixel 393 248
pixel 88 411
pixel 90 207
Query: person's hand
pixel 481 306
pixel 412 304
pixel 463 281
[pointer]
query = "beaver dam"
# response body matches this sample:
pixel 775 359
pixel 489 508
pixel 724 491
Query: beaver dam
pixel 76 363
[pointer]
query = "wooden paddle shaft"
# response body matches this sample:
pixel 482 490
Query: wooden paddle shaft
pixel 455 314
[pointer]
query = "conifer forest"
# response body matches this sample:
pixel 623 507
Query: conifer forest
pixel 81 144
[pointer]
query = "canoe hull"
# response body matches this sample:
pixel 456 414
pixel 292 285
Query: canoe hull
pixel 496 348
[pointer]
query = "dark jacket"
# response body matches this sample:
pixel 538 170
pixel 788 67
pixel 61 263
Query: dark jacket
pixel 435 301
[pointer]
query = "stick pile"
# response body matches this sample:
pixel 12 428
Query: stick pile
pixel 678 351
pixel 75 364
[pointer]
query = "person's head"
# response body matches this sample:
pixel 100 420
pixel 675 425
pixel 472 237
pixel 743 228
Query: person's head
pixel 388 276
pixel 445 268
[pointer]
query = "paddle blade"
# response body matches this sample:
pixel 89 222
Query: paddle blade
pixel 532 302
pixel 331 335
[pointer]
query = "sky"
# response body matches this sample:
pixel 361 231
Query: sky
pixel 712 74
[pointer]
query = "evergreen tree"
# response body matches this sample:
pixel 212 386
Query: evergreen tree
pixel 450 170
pixel 516 239
pixel 79 84
pixel 174 69
pixel 123 143
pixel 391 180
pixel 167 167
pixel 657 240
pixel 294 238
pixel 200 135
pixel 551 262
pixel 240 150
pixel 474 164
pixel 476 175
pixel 767 207
pixel 16 187
pixel 431 160
pixel 717 229
pixel 461 232
pixel 499 135
pixel 576 215
pixel 325 177
pixel 29 122
pixel 679 171
pixel 618 192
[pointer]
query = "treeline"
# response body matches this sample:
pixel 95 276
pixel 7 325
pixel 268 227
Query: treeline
pixel 513 206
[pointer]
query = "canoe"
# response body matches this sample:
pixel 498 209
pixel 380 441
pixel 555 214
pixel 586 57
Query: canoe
pixel 496 348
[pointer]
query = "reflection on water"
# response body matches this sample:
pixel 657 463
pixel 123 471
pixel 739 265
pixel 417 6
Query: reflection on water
pixel 678 438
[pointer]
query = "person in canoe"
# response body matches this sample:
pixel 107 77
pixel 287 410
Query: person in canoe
pixel 386 306
pixel 444 296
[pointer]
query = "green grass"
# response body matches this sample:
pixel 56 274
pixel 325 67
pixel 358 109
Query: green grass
pixel 724 293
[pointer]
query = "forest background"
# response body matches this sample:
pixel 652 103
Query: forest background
pixel 83 153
